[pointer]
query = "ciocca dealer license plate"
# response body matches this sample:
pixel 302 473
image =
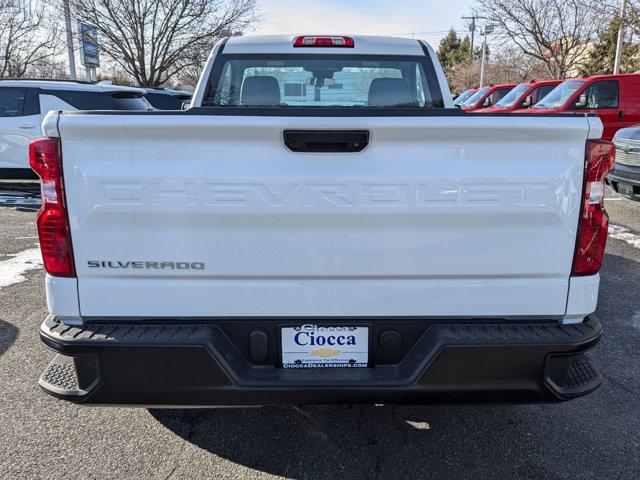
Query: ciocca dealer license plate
pixel 319 346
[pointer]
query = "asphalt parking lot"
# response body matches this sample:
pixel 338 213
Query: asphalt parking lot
pixel 597 436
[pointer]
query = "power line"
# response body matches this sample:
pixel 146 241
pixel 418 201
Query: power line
pixel 433 32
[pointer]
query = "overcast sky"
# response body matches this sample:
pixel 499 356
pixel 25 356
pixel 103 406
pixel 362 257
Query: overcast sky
pixel 429 19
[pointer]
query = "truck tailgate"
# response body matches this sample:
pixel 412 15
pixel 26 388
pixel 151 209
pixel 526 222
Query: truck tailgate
pixel 212 216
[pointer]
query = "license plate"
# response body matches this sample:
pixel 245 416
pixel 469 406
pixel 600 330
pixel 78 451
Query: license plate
pixel 319 346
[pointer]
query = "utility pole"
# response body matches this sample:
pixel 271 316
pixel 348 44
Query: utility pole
pixel 486 30
pixel 472 28
pixel 619 45
pixel 67 24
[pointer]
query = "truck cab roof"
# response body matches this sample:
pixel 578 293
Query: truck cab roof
pixel 362 44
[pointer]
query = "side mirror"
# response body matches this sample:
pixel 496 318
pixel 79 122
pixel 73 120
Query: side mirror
pixel 185 105
pixel 582 101
pixel 487 102
pixel 527 102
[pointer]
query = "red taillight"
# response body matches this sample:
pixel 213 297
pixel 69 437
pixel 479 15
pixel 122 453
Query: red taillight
pixel 325 41
pixel 52 221
pixel 594 221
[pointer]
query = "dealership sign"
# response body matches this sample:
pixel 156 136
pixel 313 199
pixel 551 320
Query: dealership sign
pixel 89 50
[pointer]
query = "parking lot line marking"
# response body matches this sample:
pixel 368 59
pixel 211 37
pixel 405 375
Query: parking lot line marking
pixel 624 234
pixel 12 269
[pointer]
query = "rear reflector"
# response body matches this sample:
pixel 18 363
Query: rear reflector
pixel 326 42
pixel 594 221
pixel 52 220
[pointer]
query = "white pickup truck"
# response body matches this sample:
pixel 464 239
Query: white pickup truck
pixel 321 226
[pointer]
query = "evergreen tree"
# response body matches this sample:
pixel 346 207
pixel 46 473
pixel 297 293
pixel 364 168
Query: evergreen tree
pixel 448 49
pixel 464 51
pixel 453 51
pixel 602 57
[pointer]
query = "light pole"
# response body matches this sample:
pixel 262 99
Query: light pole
pixel 616 63
pixel 486 30
pixel 67 25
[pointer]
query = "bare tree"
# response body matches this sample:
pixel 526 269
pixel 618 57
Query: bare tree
pixel 26 38
pixel 557 33
pixel 631 21
pixel 49 68
pixel 509 65
pixel 153 40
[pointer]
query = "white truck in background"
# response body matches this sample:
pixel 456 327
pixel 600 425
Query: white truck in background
pixel 365 243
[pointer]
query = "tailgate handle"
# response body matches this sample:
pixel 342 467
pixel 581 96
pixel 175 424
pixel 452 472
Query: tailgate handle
pixel 326 141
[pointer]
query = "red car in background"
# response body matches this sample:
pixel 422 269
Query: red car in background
pixel 486 97
pixel 614 98
pixel 523 96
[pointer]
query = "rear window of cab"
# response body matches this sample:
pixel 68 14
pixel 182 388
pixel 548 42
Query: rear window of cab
pixel 290 81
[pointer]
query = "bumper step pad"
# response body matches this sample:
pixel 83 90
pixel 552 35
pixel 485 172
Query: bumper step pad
pixel 70 376
pixel 581 373
pixel 61 374
pixel 570 377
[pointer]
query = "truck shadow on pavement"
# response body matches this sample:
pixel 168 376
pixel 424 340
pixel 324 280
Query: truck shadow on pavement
pixel 8 335
pixel 396 442
pixel 357 441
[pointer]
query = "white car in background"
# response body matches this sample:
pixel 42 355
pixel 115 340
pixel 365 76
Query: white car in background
pixel 24 103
